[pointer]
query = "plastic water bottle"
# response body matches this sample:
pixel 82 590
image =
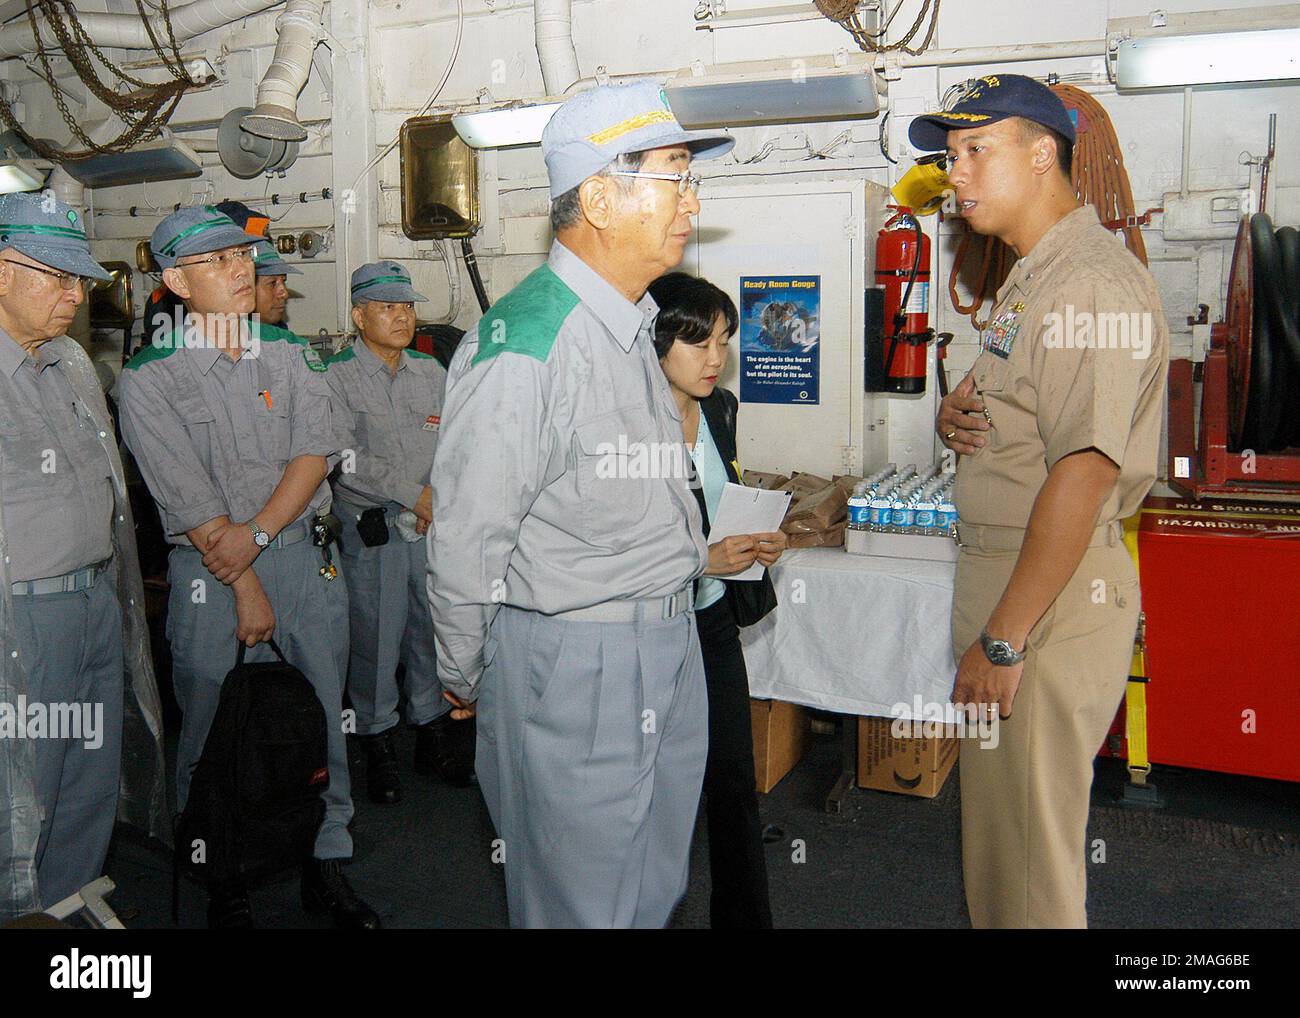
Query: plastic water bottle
pixel 947 515
pixel 902 513
pixel 879 512
pixel 859 508
pixel 925 516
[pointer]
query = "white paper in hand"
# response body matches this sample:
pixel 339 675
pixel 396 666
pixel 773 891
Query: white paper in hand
pixel 744 510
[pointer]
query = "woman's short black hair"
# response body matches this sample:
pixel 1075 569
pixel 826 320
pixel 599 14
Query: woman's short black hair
pixel 688 309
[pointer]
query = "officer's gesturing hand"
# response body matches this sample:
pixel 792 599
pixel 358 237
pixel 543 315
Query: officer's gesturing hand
pixel 731 555
pixel 231 550
pixel 254 617
pixel 984 685
pixel 961 419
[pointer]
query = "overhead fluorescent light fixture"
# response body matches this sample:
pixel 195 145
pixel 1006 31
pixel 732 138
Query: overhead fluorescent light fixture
pixel 502 128
pixel 163 159
pixel 816 88
pixel 1217 58
pixel 19 175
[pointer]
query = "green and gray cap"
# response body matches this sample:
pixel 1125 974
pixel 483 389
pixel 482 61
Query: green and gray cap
pixel 267 261
pixel 383 281
pixel 48 231
pixel 196 229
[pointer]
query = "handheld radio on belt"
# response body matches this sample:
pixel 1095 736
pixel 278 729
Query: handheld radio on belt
pixel 325 530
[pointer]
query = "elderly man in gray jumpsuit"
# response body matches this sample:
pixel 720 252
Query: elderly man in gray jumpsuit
pixel 229 421
pixel 72 621
pixel 565 536
pixel 388 400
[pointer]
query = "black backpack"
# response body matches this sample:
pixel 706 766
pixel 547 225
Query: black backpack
pixel 255 803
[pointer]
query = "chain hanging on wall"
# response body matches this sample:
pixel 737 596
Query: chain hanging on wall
pixel 845 14
pixel 145 108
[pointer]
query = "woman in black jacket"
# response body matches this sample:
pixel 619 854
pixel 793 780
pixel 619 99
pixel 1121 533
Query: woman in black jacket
pixel 696 321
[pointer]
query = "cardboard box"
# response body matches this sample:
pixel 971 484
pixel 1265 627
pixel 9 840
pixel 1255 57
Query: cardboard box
pixel 907 766
pixel 914 546
pixel 780 739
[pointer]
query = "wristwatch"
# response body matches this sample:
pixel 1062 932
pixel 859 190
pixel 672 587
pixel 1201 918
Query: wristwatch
pixel 1000 652
pixel 260 537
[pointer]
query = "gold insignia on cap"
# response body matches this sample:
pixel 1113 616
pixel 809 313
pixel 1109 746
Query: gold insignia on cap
pixel 629 125
pixel 952 115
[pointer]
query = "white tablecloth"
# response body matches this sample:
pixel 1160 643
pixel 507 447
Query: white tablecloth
pixel 854 634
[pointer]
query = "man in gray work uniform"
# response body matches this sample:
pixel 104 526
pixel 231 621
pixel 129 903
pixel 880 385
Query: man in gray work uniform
pixel 272 274
pixel 560 572
pixel 388 400
pixel 71 601
pixel 229 421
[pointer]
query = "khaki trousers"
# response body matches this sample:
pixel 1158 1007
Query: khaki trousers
pixel 1024 804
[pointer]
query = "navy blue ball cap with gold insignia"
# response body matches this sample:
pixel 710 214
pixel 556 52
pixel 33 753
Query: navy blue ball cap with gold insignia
pixel 48 231
pixel 992 98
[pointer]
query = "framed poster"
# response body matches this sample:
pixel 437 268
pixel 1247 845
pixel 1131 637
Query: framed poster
pixel 780 333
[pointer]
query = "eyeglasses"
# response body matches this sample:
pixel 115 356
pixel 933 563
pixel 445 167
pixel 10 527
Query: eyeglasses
pixel 222 259
pixel 67 280
pixel 685 181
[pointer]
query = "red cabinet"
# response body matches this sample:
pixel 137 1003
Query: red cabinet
pixel 1221 593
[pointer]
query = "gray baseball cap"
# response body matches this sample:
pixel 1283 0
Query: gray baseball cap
pixel 196 229
pixel 267 261
pixel 385 281
pixel 48 231
pixel 594 128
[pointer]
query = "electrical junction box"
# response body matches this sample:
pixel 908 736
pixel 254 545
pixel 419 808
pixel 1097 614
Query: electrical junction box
pixel 1206 215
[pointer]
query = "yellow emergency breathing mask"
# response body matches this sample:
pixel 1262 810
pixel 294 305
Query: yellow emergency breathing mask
pixel 922 188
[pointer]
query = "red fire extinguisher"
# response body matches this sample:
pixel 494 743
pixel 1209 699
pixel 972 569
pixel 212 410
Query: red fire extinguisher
pixel 898 345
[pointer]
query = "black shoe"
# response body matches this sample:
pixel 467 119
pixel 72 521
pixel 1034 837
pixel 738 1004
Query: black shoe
pixel 446 747
pixel 382 783
pixel 326 889
pixel 229 909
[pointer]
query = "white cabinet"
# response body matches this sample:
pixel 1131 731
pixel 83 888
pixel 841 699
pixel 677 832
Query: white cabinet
pixel 795 229
pixel 825 229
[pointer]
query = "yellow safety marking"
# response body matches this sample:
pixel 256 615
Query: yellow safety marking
pixel 630 124
pixel 1135 699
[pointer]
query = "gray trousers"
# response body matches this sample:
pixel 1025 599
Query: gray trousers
pixel 390 625
pixel 311 627
pixel 592 739
pixel 72 648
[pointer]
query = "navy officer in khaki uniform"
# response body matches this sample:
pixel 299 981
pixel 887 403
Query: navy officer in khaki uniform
pixel 73 642
pixel 565 536
pixel 229 421
pixel 388 401
pixel 1058 427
